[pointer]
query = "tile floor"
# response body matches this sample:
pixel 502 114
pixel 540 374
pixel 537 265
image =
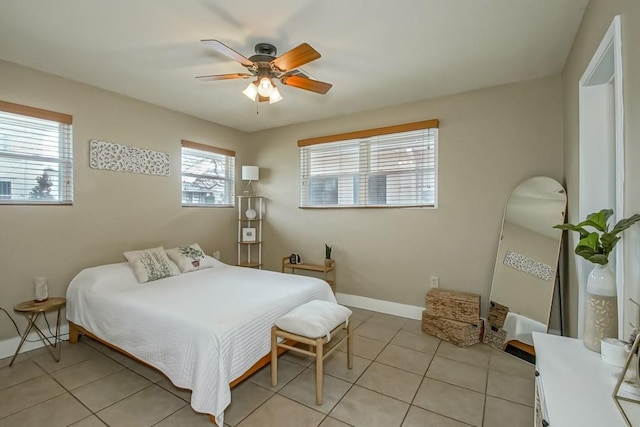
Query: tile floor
pixel 400 377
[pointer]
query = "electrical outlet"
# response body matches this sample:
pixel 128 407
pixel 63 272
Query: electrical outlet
pixel 435 282
pixel 216 255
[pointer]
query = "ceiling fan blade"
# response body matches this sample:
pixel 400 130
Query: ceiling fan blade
pixel 295 57
pixel 224 77
pixel 227 51
pixel 307 84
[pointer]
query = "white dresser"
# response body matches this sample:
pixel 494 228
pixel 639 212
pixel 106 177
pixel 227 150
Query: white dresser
pixel 573 385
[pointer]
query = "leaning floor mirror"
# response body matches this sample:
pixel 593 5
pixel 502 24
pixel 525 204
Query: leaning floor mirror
pixel 524 277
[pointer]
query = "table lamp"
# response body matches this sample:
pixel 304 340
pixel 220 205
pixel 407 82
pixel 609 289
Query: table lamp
pixel 250 173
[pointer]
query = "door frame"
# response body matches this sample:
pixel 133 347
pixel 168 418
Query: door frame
pixel 601 183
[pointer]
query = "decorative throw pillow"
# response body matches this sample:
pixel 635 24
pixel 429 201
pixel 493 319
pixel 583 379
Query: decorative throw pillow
pixel 150 264
pixel 189 258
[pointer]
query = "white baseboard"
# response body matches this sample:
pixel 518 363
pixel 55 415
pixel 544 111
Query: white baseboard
pixel 388 307
pixel 8 346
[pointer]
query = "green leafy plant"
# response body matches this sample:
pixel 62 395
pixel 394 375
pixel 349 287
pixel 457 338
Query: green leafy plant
pixel 595 246
pixel 327 251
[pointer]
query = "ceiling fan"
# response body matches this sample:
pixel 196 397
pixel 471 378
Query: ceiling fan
pixel 265 67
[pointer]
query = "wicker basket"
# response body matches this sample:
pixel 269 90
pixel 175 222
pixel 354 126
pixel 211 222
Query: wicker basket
pixel 494 337
pixel 458 333
pixel 453 305
pixel 497 314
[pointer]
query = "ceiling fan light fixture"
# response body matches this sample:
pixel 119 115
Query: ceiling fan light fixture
pixel 275 96
pixel 264 66
pixel 265 87
pixel 251 91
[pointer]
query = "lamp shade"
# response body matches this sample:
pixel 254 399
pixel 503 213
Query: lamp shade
pixel 250 173
pixel 275 96
pixel 251 91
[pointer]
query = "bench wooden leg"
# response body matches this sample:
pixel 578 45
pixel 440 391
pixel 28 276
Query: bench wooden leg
pixel 319 369
pixel 274 357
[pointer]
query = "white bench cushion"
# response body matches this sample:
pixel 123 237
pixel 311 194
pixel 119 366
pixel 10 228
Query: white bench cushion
pixel 314 319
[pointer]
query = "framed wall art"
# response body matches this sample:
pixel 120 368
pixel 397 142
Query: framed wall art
pixel 121 158
pixel 248 235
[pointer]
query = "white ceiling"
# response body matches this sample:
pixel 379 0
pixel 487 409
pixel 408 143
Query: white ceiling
pixel 375 53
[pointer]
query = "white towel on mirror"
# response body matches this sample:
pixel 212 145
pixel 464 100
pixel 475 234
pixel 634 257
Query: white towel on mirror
pixel 519 328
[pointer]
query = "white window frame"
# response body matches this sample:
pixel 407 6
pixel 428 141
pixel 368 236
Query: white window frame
pixel 351 185
pixel 227 180
pixel 22 126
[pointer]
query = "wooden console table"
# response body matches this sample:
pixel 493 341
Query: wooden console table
pixel 325 269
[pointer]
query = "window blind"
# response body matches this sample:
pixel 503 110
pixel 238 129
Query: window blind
pixel 36 158
pixel 208 175
pixel 397 169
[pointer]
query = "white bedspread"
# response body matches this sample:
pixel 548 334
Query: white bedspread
pixel 202 329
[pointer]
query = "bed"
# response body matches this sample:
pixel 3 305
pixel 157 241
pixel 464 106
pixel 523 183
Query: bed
pixel 202 329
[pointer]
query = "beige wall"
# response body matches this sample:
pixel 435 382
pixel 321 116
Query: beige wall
pixel 595 23
pixel 489 142
pixel 113 211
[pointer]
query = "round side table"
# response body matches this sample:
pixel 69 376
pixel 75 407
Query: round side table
pixel 32 310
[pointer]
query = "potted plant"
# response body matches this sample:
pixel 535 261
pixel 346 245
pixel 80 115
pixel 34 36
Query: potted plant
pixel 601 309
pixel 327 254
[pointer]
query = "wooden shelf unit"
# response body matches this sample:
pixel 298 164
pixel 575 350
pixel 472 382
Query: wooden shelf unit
pixel 250 264
pixel 325 269
pixel 250 252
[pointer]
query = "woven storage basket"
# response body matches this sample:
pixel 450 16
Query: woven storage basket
pixel 497 314
pixel 494 337
pixel 454 305
pixel 458 333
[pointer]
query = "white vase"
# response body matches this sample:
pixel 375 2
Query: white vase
pixel 601 307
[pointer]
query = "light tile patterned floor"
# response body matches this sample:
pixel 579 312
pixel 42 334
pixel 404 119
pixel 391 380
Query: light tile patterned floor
pixel 400 377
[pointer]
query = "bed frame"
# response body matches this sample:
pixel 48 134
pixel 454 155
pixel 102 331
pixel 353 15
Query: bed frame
pixel 76 330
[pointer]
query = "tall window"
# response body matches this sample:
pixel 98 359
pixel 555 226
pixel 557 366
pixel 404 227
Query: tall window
pixel 208 175
pixel 36 158
pixel 394 166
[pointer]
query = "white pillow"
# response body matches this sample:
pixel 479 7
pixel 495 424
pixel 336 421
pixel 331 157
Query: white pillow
pixel 314 319
pixel 151 264
pixel 189 258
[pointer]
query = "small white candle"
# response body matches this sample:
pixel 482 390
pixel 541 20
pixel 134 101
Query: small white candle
pixel 41 289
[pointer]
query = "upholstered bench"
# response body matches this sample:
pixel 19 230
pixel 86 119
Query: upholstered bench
pixel 313 323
